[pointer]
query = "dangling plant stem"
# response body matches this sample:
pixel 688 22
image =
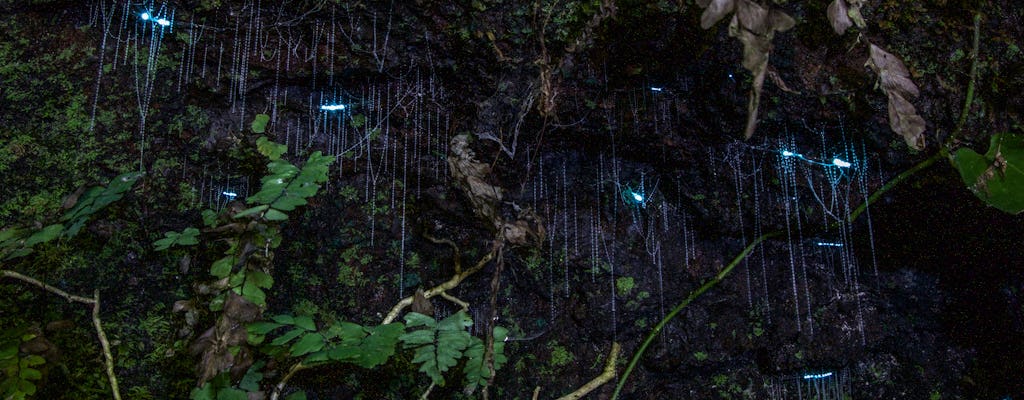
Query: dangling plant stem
pixel 689 299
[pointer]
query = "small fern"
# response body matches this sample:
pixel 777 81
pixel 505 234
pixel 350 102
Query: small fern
pixel 439 344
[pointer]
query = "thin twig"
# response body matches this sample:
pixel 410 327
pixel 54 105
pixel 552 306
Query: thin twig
pixel 689 299
pixel 607 375
pixel 96 322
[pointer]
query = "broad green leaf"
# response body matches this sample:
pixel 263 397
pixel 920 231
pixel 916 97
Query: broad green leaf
pixel 254 294
pixel 32 360
pixel 997 177
pixel 251 210
pixel 251 381
pixel 185 238
pixel 222 267
pixel 287 337
pixel 380 345
pixel 262 327
pixel 232 394
pixel 209 218
pixel 345 331
pixel 259 279
pixel 284 319
pixel 305 322
pixel 270 149
pixel 300 395
pixel 357 121
pixel 29 373
pixel 274 215
pixel 415 319
pixel 259 124
pixel 45 235
pixel 308 343
pixel 288 202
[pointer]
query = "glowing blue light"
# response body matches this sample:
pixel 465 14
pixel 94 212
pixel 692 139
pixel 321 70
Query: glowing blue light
pixel 639 198
pixel 230 194
pixel 332 107
pixel 145 16
pixel 817 376
pixel 655 89
pixel 829 244
pixel 787 153
pixel 840 163
pixel 163 22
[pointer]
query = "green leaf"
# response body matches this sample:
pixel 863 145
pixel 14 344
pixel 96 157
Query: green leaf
pixel 380 344
pixel 288 202
pixel 284 319
pixel 209 218
pixel 309 343
pixel 259 279
pixel 252 210
pixel 251 381
pixel 259 124
pixel 475 369
pixel 305 322
pixel 358 121
pixel 345 331
pixel 274 215
pixel 415 319
pixel 300 395
pixel 232 394
pixel 997 177
pixel 222 267
pixel 185 238
pixel 31 374
pixel 262 327
pixel 254 294
pixel 45 235
pixel 287 337
pixel 270 149
pixel 439 346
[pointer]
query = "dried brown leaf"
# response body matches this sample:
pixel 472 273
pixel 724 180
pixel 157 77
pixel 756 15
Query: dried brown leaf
pixel 894 79
pixel 715 11
pixel 904 120
pixel 838 17
pixel 854 13
pixel 753 17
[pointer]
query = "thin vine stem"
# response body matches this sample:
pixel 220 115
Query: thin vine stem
pixel 689 299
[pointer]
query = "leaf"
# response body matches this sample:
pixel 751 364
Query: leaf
pixel 300 395
pixel 209 218
pixel 30 374
pixel 251 211
pixel 232 394
pixel 714 11
pixel 259 124
pixel 262 327
pixel 380 344
pixel 259 279
pixel 305 322
pixel 997 177
pixel 309 343
pixel 251 381
pixel 270 149
pixel 894 79
pixel 284 319
pixel 837 16
pixel 44 235
pixel 274 215
pixel 254 294
pixel 287 337
pixel 222 267
pixel 439 346
pixel 205 392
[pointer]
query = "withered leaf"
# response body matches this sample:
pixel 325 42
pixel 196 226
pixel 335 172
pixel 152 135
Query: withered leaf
pixel 894 79
pixel 837 16
pixel 714 11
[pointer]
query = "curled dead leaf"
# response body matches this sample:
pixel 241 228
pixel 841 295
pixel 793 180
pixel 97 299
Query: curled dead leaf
pixel 714 11
pixel 838 17
pixel 894 79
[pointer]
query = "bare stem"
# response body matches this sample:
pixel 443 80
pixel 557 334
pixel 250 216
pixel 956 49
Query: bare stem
pixel 607 375
pixel 96 322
